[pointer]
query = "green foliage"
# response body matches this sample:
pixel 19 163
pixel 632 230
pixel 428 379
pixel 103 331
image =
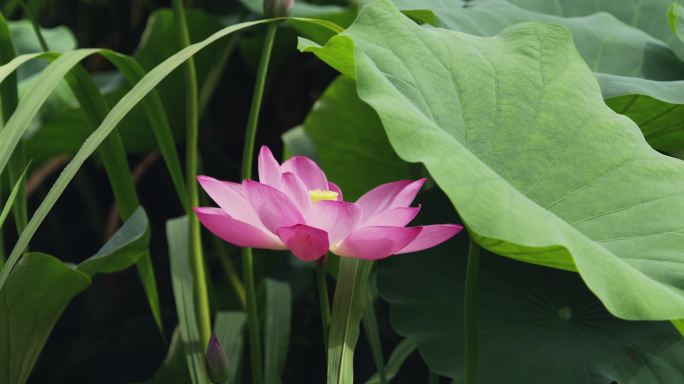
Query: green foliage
pixel 348 308
pixel 541 136
pixel 41 286
pixel 277 314
pixel 229 327
pixel 399 355
pixel 7 205
pixel 535 325
pixel 129 243
pixel 625 45
pixel 516 134
pixel 32 299
pixel 675 19
pixel 182 279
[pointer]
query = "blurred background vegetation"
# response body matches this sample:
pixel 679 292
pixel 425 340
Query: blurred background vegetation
pixel 107 334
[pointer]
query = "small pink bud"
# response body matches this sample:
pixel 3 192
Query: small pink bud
pixel 216 361
pixel 277 8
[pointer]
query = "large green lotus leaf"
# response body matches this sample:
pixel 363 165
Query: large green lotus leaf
pixel 605 43
pixel 647 15
pixel 514 129
pixel 637 71
pixel 656 106
pixel 30 303
pixel 349 137
pixel 535 326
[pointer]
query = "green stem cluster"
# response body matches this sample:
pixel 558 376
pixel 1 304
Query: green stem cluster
pixel 191 160
pixel 247 156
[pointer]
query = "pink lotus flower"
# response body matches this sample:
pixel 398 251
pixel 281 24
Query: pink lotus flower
pixel 293 206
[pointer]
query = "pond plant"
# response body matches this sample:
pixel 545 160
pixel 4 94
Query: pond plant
pixel 551 132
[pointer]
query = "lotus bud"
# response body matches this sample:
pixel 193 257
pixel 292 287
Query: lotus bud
pixel 216 361
pixel 277 8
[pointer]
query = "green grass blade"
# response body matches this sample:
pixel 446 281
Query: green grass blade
pixel 154 108
pixel 113 155
pixel 401 352
pixel 278 314
pixel 181 278
pixel 35 97
pixel 9 99
pixel 348 309
pixel 50 76
pixel 12 197
pixel 10 137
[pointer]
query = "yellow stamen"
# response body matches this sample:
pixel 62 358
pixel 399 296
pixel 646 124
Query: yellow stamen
pixel 318 195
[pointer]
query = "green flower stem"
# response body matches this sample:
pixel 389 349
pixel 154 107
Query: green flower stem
pixel 471 293
pixel 192 131
pixel 247 155
pixel 324 300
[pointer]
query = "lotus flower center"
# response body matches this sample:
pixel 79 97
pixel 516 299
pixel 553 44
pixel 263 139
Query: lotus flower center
pixel 318 195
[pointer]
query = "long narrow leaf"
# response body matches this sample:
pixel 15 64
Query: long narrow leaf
pixel 35 97
pixel 57 69
pixel 401 352
pixel 12 197
pixel 142 88
pixel 276 328
pixel 113 155
pixel 181 279
pixel 9 98
pixel 347 311
pixel 154 108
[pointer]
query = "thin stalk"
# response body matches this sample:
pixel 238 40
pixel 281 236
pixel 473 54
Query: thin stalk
pixel 323 300
pixel 3 257
pixel 471 294
pixel 247 155
pixel 192 132
pixel 36 27
pixel 370 326
pixel 230 270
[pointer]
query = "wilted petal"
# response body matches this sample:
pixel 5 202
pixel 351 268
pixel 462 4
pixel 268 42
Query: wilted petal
pixel 295 189
pixel 235 231
pixel 337 218
pixel 305 242
pixel 372 243
pixel 333 187
pixel 269 169
pixel 273 207
pixel 229 197
pixel 430 236
pixel 396 217
pixel 387 196
pixel 308 171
